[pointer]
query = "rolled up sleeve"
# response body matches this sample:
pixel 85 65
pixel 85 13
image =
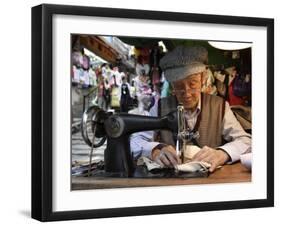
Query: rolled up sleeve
pixel 141 145
pixel 238 140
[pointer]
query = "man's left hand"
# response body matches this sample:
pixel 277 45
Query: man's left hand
pixel 213 156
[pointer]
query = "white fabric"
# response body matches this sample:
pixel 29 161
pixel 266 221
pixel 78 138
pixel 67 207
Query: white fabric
pixel 151 165
pixel 188 167
pixel 246 160
pixel 193 167
pixel 190 151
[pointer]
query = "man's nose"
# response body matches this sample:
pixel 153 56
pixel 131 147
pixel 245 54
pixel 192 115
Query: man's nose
pixel 187 92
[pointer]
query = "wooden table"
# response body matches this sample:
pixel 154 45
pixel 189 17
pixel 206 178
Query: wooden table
pixel 226 174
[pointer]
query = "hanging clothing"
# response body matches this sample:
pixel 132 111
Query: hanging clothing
pixel 232 99
pixel 125 97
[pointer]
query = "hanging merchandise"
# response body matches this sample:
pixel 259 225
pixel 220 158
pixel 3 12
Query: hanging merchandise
pixel 142 69
pixel 133 91
pixel 232 98
pixel 86 62
pixel 144 55
pixel 116 76
pixel 81 76
pixel 115 97
pixel 155 75
pixel 92 78
pixel 142 86
pixel 221 82
pixel 209 83
pixel 77 58
pixel 86 79
pixel 75 74
pixel 242 85
pixel 166 88
pixel 106 93
pixel 125 97
pixel 154 63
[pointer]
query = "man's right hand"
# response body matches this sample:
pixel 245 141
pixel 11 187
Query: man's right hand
pixel 166 156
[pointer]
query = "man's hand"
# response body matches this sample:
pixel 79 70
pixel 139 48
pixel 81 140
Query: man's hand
pixel 166 156
pixel 213 156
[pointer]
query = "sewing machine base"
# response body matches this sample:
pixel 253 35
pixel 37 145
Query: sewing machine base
pixel 142 172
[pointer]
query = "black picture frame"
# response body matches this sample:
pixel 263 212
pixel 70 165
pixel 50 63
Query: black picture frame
pixel 42 111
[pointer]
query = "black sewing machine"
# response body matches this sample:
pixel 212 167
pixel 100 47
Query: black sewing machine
pixel 117 128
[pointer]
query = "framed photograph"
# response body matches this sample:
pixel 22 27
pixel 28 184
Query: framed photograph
pixel 145 112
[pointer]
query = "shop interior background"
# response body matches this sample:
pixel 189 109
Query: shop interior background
pixel 100 63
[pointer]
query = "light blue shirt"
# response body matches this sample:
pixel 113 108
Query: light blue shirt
pixel 142 143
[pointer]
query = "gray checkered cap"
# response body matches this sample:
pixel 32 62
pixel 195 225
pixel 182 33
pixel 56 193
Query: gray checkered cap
pixel 184 61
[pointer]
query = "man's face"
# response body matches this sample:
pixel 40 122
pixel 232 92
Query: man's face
pixel 188 91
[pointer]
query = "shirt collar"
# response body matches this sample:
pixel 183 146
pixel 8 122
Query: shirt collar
pixel 198 108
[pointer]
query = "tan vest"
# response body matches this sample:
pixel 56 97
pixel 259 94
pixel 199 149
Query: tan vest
pixel 210 125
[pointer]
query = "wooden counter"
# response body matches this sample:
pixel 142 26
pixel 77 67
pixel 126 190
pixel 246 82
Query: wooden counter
pixel 226 174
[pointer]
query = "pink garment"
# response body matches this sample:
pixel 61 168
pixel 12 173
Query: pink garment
pixel 101 89
pixel 155 75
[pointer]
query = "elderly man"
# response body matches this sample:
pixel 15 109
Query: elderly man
pixel 221 138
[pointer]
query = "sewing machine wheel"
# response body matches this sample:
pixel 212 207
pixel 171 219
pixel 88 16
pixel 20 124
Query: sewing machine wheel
pixel 92 126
